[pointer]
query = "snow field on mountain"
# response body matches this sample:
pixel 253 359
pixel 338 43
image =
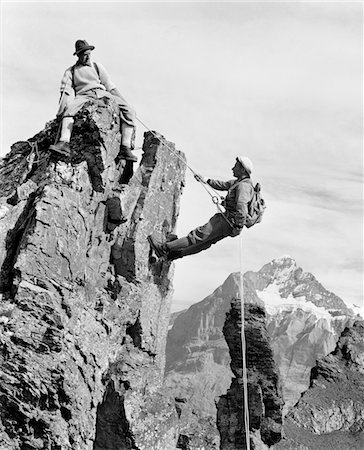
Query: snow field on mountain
pixel 275 304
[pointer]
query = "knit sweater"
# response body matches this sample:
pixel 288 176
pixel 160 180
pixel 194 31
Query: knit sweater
pixel 82 78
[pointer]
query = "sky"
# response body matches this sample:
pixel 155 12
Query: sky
pixel 279 82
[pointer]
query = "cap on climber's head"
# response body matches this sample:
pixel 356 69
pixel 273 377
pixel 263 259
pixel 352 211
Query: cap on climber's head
pixel 81 45
pixel 246 163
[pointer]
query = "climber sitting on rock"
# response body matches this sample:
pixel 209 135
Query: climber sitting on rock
pixel 230 223
pixel 90 81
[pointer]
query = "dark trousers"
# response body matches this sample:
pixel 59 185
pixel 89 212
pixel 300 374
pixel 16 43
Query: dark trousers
pixel 201 238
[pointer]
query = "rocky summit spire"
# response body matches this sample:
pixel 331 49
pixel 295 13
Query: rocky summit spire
pixel 265 400
pixel 83 313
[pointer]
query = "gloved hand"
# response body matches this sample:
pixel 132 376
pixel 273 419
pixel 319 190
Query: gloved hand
pixel 200 178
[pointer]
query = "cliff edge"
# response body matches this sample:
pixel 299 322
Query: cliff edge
pixel 83 314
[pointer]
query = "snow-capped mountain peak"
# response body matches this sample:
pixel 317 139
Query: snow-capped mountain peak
pixel 289 281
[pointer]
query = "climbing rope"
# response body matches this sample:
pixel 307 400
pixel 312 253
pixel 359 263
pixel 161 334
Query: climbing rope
pixel 34 155
pixel 243 350
pixel 216 200
pixel 215 196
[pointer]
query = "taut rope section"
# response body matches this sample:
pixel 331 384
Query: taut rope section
pixel 215 198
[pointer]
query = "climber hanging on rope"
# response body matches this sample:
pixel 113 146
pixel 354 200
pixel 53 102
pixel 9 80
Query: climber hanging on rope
pixel 223 224
pixel 90 81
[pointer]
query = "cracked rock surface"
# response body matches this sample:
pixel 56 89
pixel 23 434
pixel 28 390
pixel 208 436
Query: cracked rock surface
pixel 83 314
pixel 265 398
pixel 330 414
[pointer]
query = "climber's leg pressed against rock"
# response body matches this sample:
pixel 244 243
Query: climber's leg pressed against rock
pixel 240 192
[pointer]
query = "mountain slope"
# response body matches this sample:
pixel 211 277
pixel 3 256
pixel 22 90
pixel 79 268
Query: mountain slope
pixel 330 414
pixel 304 321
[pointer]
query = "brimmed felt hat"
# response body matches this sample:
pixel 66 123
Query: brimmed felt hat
pixel 246 163
pixel 82 45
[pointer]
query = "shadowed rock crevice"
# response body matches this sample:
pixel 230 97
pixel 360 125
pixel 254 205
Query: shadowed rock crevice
pixel 86 146
pixel 183 442
pixel 135 332
pixel 13 241
pixel 127 171
pixel 112 427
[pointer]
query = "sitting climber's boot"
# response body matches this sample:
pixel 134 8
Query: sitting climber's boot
pixel 125 153
pixel 159 248
pixel 62 148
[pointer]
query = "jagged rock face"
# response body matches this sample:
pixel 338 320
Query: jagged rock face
pixel 197 355
pixel 264 392
pixel 330 414
pixel 198 360
pixel 83 314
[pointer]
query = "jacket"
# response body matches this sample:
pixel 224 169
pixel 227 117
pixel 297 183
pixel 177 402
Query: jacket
pixel 240 193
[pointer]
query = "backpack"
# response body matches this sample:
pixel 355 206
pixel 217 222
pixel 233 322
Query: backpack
pixel 256 208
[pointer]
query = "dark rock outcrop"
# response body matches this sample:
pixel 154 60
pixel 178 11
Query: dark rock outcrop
pixel 265 399
pixel 330 414
pixel 198 360
pixel 83 314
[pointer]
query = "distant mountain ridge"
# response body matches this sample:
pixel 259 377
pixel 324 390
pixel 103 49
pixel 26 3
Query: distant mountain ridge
pixel 329 415
pixel 292 281
pixel 304 321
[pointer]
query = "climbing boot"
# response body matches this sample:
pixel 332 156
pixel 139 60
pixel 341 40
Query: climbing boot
pixel 174 254
pixel 62 148
pixel 125 153
pixel 159 248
